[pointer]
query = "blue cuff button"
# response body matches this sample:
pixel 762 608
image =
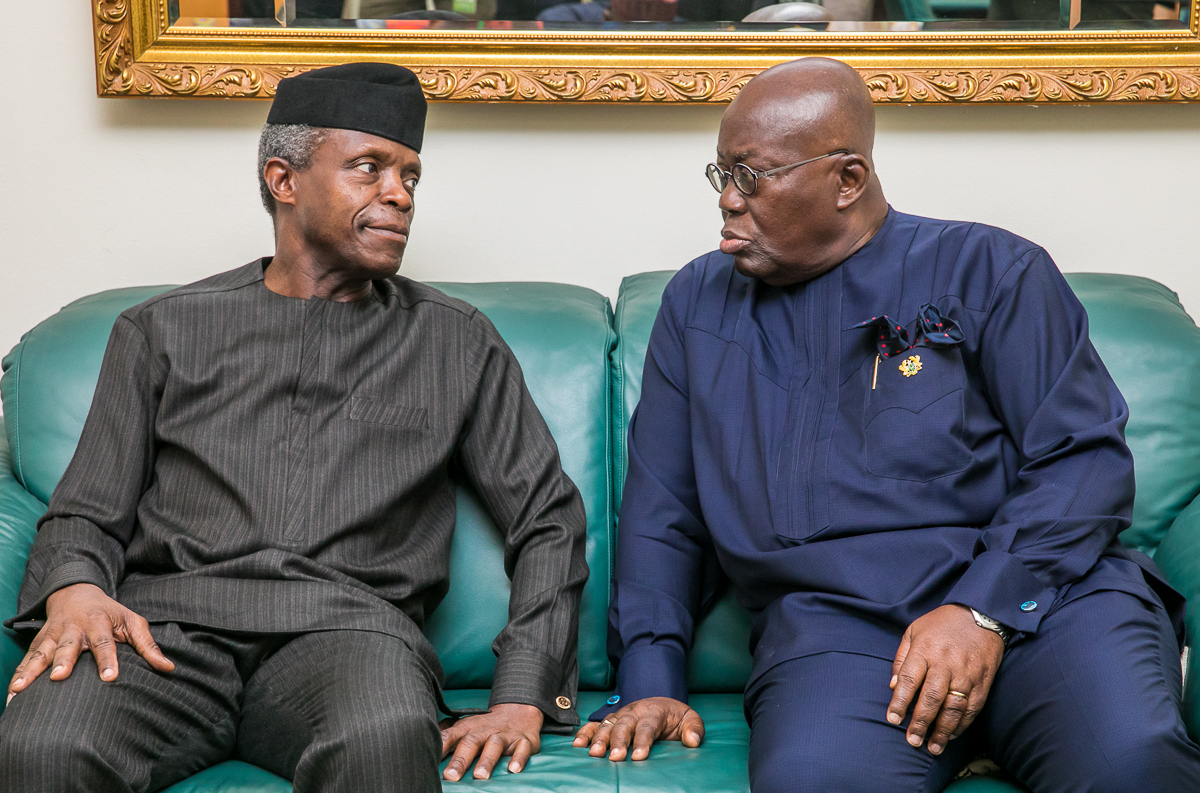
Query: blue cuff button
pixel 1029 605
pixel 614 699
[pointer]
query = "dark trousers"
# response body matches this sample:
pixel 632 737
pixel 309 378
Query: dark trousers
pixel 1091 703
pixel 332 711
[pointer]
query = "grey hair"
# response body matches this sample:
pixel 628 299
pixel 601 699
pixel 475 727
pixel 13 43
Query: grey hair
pixel 296 143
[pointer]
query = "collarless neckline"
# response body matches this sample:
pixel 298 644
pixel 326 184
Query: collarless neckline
pixel 378 293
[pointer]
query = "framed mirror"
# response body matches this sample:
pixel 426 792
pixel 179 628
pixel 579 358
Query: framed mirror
pixel 659 51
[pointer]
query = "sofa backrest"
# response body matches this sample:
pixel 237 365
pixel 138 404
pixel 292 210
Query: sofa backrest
pixel 561 335
pixel 720 656
pixel 1152 349
pixel 637 308
pixel 1149 344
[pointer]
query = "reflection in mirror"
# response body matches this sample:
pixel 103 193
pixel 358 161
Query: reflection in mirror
pixel 801 18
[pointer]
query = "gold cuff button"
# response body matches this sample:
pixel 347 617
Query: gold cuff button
pixel 563 703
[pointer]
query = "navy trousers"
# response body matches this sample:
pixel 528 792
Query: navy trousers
pixel 1091 703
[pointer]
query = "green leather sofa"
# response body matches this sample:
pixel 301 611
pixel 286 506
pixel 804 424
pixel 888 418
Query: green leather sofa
pixel 583 365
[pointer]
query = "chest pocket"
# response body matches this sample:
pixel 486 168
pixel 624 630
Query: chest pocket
pixel 375 411
pixel 913 419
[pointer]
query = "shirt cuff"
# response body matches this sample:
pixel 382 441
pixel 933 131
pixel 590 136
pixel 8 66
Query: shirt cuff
pixel 998 585
pixel 530 678
pixel 78 572
pixel 652 670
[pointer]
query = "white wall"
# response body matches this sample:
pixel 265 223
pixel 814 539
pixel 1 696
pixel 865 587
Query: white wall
pixel 103 193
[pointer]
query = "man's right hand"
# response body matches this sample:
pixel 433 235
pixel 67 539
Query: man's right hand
pixel 642 722
pixel 82 617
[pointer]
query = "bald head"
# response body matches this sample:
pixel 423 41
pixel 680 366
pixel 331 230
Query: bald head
pixel 800 223
pixel 817 103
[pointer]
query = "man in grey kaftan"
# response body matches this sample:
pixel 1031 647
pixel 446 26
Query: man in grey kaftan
pixel 269 481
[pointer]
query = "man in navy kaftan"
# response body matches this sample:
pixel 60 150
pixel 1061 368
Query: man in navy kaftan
pixel 909 460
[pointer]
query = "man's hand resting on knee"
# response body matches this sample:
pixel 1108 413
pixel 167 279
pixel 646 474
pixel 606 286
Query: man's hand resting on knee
pixel 509 729
pixel 82 617
pixel 951 661
pixel 643 722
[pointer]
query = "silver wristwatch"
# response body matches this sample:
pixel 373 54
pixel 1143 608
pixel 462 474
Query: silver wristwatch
pixel 987 623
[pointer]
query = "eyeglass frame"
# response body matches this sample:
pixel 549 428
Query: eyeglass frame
pixel 727 176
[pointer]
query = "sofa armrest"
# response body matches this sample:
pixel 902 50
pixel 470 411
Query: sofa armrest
pixel 19 513
pixel 1178 557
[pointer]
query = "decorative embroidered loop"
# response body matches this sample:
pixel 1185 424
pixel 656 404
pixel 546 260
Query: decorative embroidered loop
pixel 933 330
pixel 893 337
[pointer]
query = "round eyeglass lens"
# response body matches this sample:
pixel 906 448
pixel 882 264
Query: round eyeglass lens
pixel 715 177
pixel 744 179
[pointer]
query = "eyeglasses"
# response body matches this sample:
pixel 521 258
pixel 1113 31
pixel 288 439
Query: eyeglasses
pixel 745 178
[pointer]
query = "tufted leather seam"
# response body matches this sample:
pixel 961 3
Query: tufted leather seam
pixel 612 342
pixel 616 365
pixel 15 445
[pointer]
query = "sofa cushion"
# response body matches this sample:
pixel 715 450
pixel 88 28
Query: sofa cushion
pixel 718 766
pixel 560 334
pixel 19 512
pixel 232 777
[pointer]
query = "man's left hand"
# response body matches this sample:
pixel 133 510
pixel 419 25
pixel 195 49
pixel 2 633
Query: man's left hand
pixel 952 662
pixel 509 729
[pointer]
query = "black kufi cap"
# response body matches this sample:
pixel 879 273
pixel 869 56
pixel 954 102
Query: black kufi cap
pixel 377 98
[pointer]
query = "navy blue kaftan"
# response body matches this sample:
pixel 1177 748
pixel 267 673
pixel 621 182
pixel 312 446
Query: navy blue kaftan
pixel 927 423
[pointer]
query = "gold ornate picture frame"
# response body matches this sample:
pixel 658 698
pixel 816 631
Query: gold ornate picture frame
pixel 139 53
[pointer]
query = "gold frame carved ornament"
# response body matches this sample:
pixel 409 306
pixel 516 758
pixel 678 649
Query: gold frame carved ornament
pixel 139 53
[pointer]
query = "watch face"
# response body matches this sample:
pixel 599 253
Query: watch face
pixel 987 623
pixel 984 621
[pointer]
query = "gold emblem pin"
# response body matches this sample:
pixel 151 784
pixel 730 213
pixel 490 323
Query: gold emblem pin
pixel 911 365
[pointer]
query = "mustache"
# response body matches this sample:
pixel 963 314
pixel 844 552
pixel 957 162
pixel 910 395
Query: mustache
pixel 385 221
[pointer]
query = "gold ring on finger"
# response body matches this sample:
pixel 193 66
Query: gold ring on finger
pixel 608 722
pixel 954 693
